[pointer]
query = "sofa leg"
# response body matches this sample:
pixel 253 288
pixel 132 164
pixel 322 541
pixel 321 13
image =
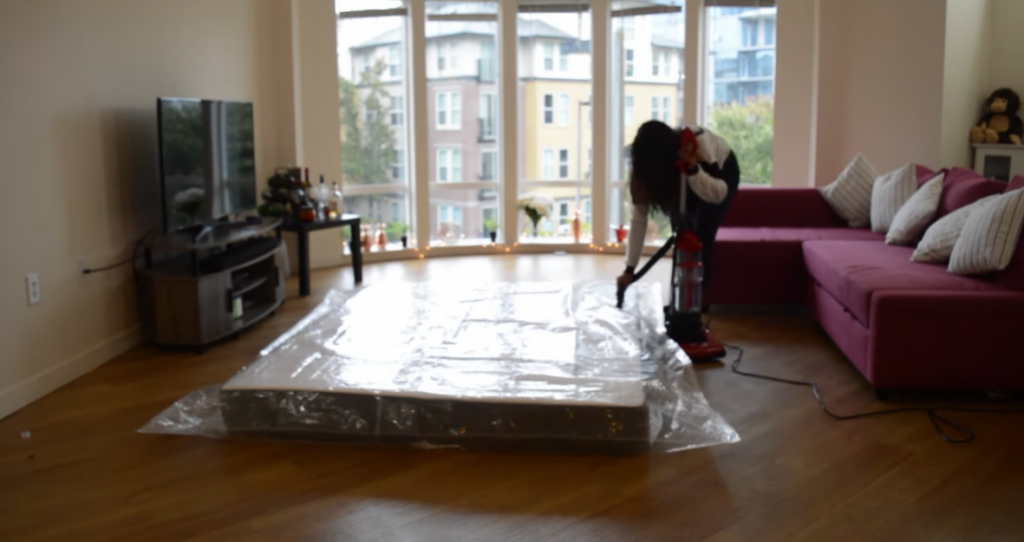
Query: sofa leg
pixel 881 394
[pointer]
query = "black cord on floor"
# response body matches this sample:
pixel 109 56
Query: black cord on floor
pixel 939 422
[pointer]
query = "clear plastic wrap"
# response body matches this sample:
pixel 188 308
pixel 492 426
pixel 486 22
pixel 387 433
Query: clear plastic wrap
pixel 509 366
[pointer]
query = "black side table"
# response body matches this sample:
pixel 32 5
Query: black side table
pixel 302 230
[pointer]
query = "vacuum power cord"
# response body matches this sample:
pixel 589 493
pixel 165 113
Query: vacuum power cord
pixel 939 422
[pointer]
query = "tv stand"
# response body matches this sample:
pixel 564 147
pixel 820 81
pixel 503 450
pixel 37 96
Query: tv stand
pixel 214 285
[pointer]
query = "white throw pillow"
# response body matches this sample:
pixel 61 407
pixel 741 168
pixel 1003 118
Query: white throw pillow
pixel 937 244
pixel 888 195
pixel 850 194
pixel 915 215
pixel 990 236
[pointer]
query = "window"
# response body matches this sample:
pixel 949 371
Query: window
pixel 393 61
pixel 398 165
pixel 739 82
pixel 549 109
pixel 629 63
pixel 629 111
pixel 394 211
pixel 590 161
pixel 586 212
pixel 549 164
pixel 563 212
pixel 750 33
pixel 563 62
pixel 397 110
pixel 666 113
pixel 655 101
pixel 563 109
pixel 453 56
pixel 563 164
pixel 449 166
pixel 488 165
pixel 488 115
pixel 628 28
pixel 549 56
pixel 441 65
pixel 450 214
pixel 449 110
pixel 656 66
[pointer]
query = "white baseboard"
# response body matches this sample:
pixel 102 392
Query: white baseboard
pixel 22 393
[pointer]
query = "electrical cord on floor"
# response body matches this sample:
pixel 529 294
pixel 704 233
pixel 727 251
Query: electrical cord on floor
pixel 939 422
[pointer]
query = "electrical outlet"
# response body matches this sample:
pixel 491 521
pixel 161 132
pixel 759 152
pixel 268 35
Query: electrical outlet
pixel 32 285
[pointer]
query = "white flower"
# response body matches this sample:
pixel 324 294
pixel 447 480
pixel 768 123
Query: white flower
pixel 192 195
pixel 540 203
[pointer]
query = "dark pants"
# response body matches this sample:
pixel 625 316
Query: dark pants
pixel 709 217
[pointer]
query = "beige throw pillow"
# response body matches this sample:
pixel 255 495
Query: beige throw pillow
pixel 937 244
pixel 888 195
pixel 989 237
pixel 913 218
pixel 850 194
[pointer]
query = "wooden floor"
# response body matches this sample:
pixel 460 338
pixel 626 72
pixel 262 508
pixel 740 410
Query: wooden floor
pixel 84 474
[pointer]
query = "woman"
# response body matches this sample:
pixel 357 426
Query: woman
pixel 659 165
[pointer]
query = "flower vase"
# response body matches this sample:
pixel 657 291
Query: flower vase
pixel 576 227
pixel 535 228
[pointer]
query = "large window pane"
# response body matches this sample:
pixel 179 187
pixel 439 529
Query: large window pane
pixel 740 83
pixel 463 140
pixel 647 69
pixel 372 100
pixel 554 133
pixel 463 216
pixel 557 226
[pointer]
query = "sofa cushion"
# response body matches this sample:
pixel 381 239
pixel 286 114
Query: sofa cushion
pixel 1015 183
pixel 781 208
pixel 889 194
pixel 937 244
pixel 916 214
pixel 853 271
pixel 850 194
pixel 777 253
pixel 989 238
pixel 963 187
pixel 925 174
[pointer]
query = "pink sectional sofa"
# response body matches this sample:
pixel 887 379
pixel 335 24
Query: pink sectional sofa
pixel 902 324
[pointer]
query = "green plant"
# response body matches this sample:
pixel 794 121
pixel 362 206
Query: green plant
pixel 491 224
pixel 748 128
pixel 367 140
pixel 395 230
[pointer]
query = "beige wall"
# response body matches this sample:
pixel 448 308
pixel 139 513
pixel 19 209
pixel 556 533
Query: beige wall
pixel 1006 68
pixel 77 142
pixel 965 80
pixel 880 83
pixel 796 87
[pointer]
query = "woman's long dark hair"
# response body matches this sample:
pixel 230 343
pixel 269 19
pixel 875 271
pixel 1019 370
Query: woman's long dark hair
pixel 654 179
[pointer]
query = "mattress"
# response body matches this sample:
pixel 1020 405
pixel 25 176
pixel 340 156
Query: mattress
pixel 551 367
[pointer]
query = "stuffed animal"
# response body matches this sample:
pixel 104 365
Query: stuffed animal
pixel 1001 124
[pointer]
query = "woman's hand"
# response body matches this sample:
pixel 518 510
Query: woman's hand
pixel 623 281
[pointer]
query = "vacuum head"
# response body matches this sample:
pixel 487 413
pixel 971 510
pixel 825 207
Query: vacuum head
pixel 687 329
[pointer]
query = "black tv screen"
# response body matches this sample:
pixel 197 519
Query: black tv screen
pixel 207 160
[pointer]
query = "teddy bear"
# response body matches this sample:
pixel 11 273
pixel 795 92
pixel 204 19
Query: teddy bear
pixel 1001 124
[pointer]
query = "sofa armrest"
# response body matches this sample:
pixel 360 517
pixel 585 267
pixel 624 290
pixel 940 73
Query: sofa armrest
pixel 781 208
pixel 930 339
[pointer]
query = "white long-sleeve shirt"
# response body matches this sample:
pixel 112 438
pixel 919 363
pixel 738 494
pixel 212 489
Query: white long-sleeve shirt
pixel 706 187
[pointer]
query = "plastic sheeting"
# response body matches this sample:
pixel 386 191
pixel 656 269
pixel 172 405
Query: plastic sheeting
pixel 518 366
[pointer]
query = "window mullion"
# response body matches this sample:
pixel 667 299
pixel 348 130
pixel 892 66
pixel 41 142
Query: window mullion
pixel 601 29
pixel 417 48
pixel 507 125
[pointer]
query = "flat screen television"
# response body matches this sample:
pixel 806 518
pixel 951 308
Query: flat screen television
pixel 207 160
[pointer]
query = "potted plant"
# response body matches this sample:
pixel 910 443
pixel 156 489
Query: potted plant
pixel 492 229
pixel 400 230
pixel 536 206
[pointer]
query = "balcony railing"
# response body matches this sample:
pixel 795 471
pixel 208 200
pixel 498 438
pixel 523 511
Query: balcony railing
pixel 487 129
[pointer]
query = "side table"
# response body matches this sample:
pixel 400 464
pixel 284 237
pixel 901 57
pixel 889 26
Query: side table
pixel 302 230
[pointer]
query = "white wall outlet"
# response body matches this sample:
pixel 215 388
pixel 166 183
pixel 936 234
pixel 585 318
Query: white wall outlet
pixel 32 285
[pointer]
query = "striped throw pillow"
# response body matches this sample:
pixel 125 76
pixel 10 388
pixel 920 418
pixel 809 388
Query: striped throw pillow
pixel 915 215
pixel 850 194
pixel 990 236
pixel 889 194
pixel 937 244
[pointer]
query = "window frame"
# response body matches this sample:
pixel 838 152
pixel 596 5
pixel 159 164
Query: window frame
pixel 564 110
pixel 547 112
pixel 451 108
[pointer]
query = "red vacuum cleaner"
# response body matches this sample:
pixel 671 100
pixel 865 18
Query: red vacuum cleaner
pixel 683 319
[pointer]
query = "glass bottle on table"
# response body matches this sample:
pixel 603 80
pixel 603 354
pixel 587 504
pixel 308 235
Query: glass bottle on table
pixel 336 200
